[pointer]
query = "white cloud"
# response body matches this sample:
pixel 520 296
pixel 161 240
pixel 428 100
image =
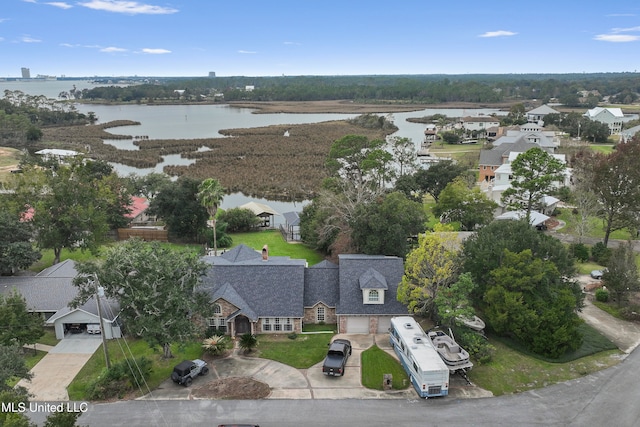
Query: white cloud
pixel 128 7
pixel 29 39
pixel 155 51
pixel 293 43
pixel 60 4
pixel 113 49
pixel 620 14
pixel 247 52
pixel 625 30
pixel 616 38
pixel 29 1
pixel 3 20
pixel 500 33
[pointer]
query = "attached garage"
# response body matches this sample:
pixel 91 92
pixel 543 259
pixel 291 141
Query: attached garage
pixel 384 323
pixel 357 325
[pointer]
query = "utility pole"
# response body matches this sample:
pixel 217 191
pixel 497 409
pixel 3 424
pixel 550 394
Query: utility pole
pixel 99 293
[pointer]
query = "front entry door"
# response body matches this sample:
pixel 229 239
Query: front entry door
pixel 242 325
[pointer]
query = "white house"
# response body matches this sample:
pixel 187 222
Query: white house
pixel 612 117
pixel 479 123
pixel 537 114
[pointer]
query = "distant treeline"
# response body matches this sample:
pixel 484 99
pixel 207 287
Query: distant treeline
pixel 572 90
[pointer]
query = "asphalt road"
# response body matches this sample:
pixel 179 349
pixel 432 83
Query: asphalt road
pixel 607 397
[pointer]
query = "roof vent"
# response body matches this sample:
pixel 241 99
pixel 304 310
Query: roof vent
pixel 408 326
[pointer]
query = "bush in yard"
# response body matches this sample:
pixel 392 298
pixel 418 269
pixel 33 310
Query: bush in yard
pixel 602 295
pixel 248 342
pixel 122 377
pixel 477 345
pixel 579 251
pixel 216 344
pixel 600 253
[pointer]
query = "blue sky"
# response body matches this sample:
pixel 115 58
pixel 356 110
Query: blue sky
pixel 309 37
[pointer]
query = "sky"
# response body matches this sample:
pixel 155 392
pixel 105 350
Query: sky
pixel 190 38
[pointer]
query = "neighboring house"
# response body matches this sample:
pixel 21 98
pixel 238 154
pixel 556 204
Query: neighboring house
pixel 61 156
pixel 430 134
pixel 536 219
pixel 49 293
pixel 138 215
pixel 612 117
pixel 537 114
pixel 520 140
pixel 479 123
pixel 627 134
pixel 255 293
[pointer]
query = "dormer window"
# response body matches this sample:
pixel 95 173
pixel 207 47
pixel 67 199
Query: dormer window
pixel 373 285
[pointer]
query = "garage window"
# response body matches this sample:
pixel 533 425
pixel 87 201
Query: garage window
pixel 320 314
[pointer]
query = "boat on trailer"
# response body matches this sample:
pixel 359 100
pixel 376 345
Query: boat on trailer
pixel 454 356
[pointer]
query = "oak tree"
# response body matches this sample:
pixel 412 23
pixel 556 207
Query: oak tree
pixel 156 287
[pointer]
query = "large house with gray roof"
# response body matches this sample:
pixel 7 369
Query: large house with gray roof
pixel 528 136
pixel 253 292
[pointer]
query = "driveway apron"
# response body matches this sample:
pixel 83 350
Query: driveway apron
pixel 58 368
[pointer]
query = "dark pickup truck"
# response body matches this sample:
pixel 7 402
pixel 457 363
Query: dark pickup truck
pixel 336 360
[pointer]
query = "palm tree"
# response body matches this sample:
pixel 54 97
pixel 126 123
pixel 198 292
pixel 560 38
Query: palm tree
pixel 211 193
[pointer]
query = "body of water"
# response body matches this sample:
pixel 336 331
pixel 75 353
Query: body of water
pixel 205 121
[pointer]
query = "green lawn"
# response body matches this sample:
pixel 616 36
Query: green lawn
pixel 512 372
pixel 49 337
pixel 277 245
pixel 597 226
pixel 377 362
pixel 302 352
pixel 120 349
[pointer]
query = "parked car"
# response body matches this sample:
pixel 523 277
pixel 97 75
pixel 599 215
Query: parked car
pixel 93 328
pixel 76 328
pixel 336 360
pixel 597 274
pixel 184 372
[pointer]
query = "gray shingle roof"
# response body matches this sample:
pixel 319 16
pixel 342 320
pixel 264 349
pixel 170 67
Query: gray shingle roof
pixel 52 290
pixel 271 288
pixel 352 267
pixel 371 279
pixel 321 284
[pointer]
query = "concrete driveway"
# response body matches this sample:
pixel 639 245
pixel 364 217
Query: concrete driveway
pixel 287 382
pixel 55 371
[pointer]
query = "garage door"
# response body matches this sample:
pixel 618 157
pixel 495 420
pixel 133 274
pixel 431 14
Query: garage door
pixel 358 325
pixel 384 323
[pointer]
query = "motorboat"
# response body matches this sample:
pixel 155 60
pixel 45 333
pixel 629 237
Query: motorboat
pixel 454 356
pixel 475 323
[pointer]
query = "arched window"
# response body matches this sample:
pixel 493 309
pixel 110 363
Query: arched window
pixel 374 296
pixel 217 310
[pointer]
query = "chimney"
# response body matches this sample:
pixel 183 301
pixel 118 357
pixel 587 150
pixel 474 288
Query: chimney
pixel 265 253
